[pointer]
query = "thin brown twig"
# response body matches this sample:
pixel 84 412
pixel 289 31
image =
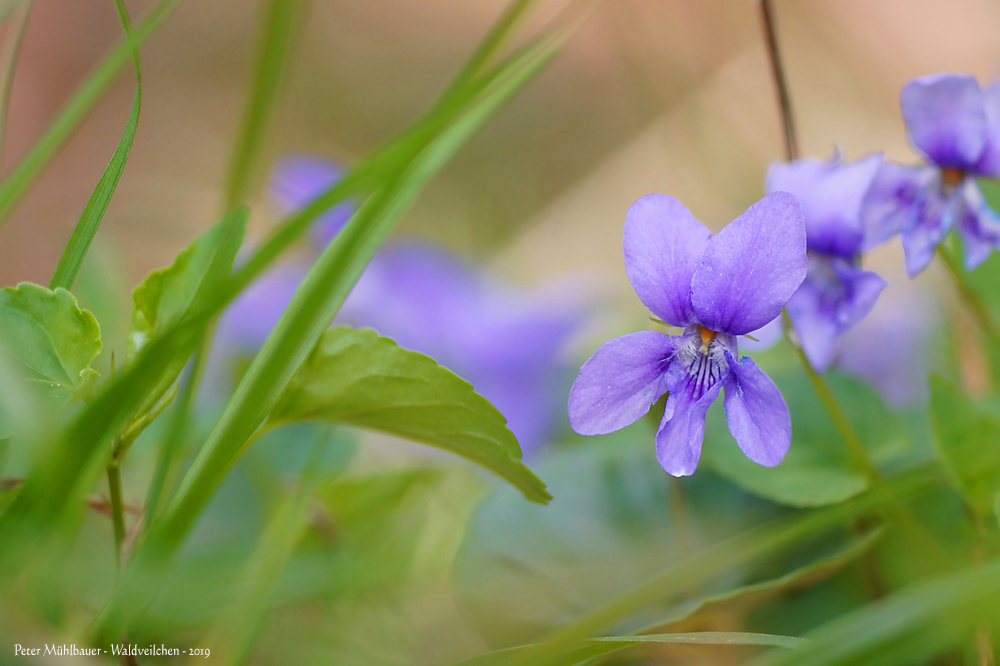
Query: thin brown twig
pixel 780 82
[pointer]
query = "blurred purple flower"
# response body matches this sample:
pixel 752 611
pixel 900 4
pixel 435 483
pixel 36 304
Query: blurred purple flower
pixel 836 293
pixel 507 343
pixel 297 180
pixel 716 288
pixel 956 126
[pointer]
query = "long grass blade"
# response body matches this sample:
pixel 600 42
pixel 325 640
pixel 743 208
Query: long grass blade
pixel 277 32
pixel 86 228
pixel 8 60
pixel 20 179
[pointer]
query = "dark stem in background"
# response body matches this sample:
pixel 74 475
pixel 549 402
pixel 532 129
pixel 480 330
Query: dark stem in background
pixel 784 100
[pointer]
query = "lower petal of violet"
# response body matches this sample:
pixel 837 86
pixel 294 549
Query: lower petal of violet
pixel 893 201
pixel 933 219
pixel 682 430
pixel 978 224
pixel 833 298
pixel 620 382
pixel 756 413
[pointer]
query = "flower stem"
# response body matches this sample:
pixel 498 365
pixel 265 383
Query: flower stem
pixel 979 310
pixel 840 420
pixel 117 509
pixel 780 83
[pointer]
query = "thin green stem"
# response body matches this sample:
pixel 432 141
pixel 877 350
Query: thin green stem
pixel 840 420
pixel 8 63
pixel 975 304
pixel 117 509
pixel 780 81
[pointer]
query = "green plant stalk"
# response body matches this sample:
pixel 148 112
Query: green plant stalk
pixel 8 62
pixel 16 184
pixel 980 312
pixel 277 30
pixel 117 509
pixel 83 235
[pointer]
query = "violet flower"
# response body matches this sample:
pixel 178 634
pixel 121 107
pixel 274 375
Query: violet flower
pixel 956 126
pixel 836 293
pixel 298 179
pixel 506 342
pixel 716 288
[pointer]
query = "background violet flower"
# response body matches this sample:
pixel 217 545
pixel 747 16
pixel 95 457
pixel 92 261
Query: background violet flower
pixel 715 288
pixel 506 342
pixel 956 126
pixel 836 293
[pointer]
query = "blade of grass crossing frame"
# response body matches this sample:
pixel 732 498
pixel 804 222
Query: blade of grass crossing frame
pixel 8 58
pixel 319 297
pixel 277 29
pixel 86 228
pixel 20 179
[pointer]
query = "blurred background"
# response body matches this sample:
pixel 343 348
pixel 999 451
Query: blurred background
pixel 664 96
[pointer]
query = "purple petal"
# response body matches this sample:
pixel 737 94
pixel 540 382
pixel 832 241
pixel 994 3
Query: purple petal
pixel 756 413
pixel 682 430
pixel 663 245
pixel 766 335
pixel 933 219
pixel 979 225
pixel 752 267
pixel 830 194
pixel 297 180
pixel 834 297
pixel 248 321
pixel 989 161
pixel 893 201
pixel 945 119
pixel 620 382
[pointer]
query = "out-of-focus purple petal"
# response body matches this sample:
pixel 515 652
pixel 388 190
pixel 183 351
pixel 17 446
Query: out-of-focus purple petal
pixel 893 200
pixel 663 244
pixel 682 430
pixel 834 297
pixel 299 179
pixel 620 382
pixel 756 413
pixel 830 194
pixel 945 119
pixel 934 218
pixel 890 349
pixel 751 267
pixel 248 321
pixel 989 161
pixel 979 225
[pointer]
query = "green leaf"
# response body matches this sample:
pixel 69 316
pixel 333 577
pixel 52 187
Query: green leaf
pixel 169 295
pixel 4 451
pixel 597 647
pixel 818 469
pixel 277 32
pixel 93 213
pixel 968 443
pixel 908 627
pixel 358 378
pixel 48 332
pixel 23 175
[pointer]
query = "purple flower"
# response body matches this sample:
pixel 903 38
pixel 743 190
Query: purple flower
pixel 956 126
pixel 506 342
pixel 298 179
pixel 836 293
pixel 716 288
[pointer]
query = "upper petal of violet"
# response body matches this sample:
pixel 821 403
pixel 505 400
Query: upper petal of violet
pixel 830 194
pixel 663 244
pixel 756 413
pixel 989 161
pixel 945 119
pixel 752 267
pixel 620 382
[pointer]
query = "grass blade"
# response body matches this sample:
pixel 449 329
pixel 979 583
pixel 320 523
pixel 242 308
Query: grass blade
pixel 8 58
pixel 277 30
pixel 86 228
pixel 73 113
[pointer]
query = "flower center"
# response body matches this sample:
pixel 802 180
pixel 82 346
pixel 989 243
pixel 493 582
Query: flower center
pixel 951 176
pixel 706 335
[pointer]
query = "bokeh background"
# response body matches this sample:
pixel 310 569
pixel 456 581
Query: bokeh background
pixel 665 96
